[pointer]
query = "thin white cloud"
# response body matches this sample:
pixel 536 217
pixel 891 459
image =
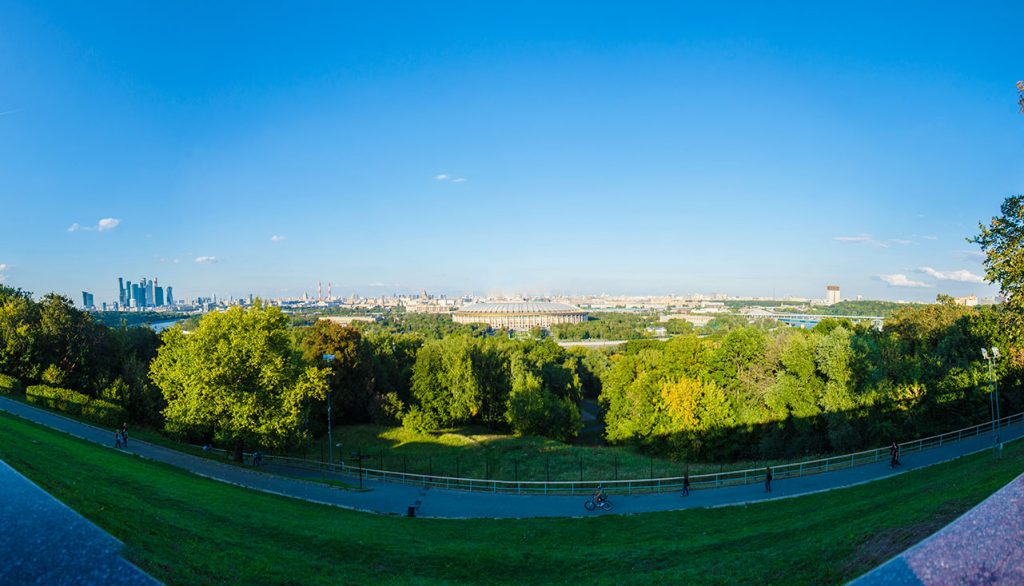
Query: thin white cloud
pixel 929 237
pixel 862 239
pixel 971 255
pixel 276 238
pixel 459 180
pixel 206 259
pixel 899 241
pixel 960 276
pixel 6 112
pixel 107 224
pixel 102 226
pixel 441 177
pixel 900 280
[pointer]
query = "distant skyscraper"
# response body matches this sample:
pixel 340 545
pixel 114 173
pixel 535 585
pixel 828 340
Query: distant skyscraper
pixel 170 296
pixel 832 295
pixel 159 296
pixel 87 300
pixel 136 298
pixel 121 297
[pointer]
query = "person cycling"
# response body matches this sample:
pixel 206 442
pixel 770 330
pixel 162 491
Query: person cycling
pixel 599 495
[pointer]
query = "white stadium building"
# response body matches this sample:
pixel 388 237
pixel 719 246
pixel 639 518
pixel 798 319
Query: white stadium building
pixel 520 316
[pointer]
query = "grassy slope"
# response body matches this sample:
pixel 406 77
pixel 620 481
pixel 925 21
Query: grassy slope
pixel 186 529
pixel 473 452
pixel 538 458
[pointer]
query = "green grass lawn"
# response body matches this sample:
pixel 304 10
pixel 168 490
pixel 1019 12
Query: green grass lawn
pixel 470 452
pixel 480 453
pixel 185 529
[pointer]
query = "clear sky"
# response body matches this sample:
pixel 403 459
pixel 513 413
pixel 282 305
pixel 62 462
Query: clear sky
pixel 517 148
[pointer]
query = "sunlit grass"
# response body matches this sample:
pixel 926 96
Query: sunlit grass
pixel 185 529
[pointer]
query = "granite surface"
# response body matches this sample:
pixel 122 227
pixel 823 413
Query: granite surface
pixel 42 541
pixel 984 546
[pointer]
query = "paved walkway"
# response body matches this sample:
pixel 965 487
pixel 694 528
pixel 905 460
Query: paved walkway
pixel 392 498
pixel 45 542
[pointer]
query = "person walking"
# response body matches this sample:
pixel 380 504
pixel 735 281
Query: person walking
pixel 767 478
pixel 686 483
pixel 124 434
pixel 117 438
pixel 894 455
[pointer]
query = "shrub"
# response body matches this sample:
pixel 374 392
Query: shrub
pixel 104 413
pixel 53 375
pixel 418 420
pixel 389 410
pixel 56 398
pixel 10 385
pixel 74 403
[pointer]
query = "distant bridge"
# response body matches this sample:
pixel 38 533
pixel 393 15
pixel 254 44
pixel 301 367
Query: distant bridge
pixel 808 320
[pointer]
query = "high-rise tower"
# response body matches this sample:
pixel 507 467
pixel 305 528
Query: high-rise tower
pixel 832 295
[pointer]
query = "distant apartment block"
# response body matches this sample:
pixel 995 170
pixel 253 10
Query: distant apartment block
pixel 969 300
pixel 832 295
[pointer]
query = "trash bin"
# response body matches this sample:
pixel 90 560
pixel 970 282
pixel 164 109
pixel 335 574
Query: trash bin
pixel 411 512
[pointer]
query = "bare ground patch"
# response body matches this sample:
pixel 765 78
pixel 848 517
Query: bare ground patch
pixel 891 541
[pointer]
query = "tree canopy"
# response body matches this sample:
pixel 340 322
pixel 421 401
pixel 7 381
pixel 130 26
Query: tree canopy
pixel 237 379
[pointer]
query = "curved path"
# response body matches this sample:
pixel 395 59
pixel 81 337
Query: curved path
pixel 388 498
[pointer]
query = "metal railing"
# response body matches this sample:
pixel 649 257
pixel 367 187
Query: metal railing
pixel 648 485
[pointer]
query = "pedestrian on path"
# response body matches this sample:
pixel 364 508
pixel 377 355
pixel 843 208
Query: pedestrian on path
pixel 117 438
pixel 686 483
pixel 894 455
pixel 767 478
pixel 124 434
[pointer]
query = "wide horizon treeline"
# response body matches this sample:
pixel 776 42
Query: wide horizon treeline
pixel 791 392
pixel 247 378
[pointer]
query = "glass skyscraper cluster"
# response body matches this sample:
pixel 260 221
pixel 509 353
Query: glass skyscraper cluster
pixel 144 293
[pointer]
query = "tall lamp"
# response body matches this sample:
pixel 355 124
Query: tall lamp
pixel 993 397
pixel 328 358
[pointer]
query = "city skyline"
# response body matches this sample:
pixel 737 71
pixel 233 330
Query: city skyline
pixel 540 151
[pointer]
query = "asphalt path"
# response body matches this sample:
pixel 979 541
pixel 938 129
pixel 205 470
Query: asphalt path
pixel 395 498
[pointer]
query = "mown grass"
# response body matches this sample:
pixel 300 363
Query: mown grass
pixel 190 530
pixel 477 452
pixel 469 452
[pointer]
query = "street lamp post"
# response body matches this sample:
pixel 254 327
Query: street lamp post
pixel 328 358
pixel 993 396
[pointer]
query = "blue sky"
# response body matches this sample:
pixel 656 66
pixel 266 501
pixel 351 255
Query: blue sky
pixel 516 148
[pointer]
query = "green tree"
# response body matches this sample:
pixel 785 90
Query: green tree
pixel 444 381
pixel 351 371
pixel 19 334
pixel 1002 241
pixel 237 379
